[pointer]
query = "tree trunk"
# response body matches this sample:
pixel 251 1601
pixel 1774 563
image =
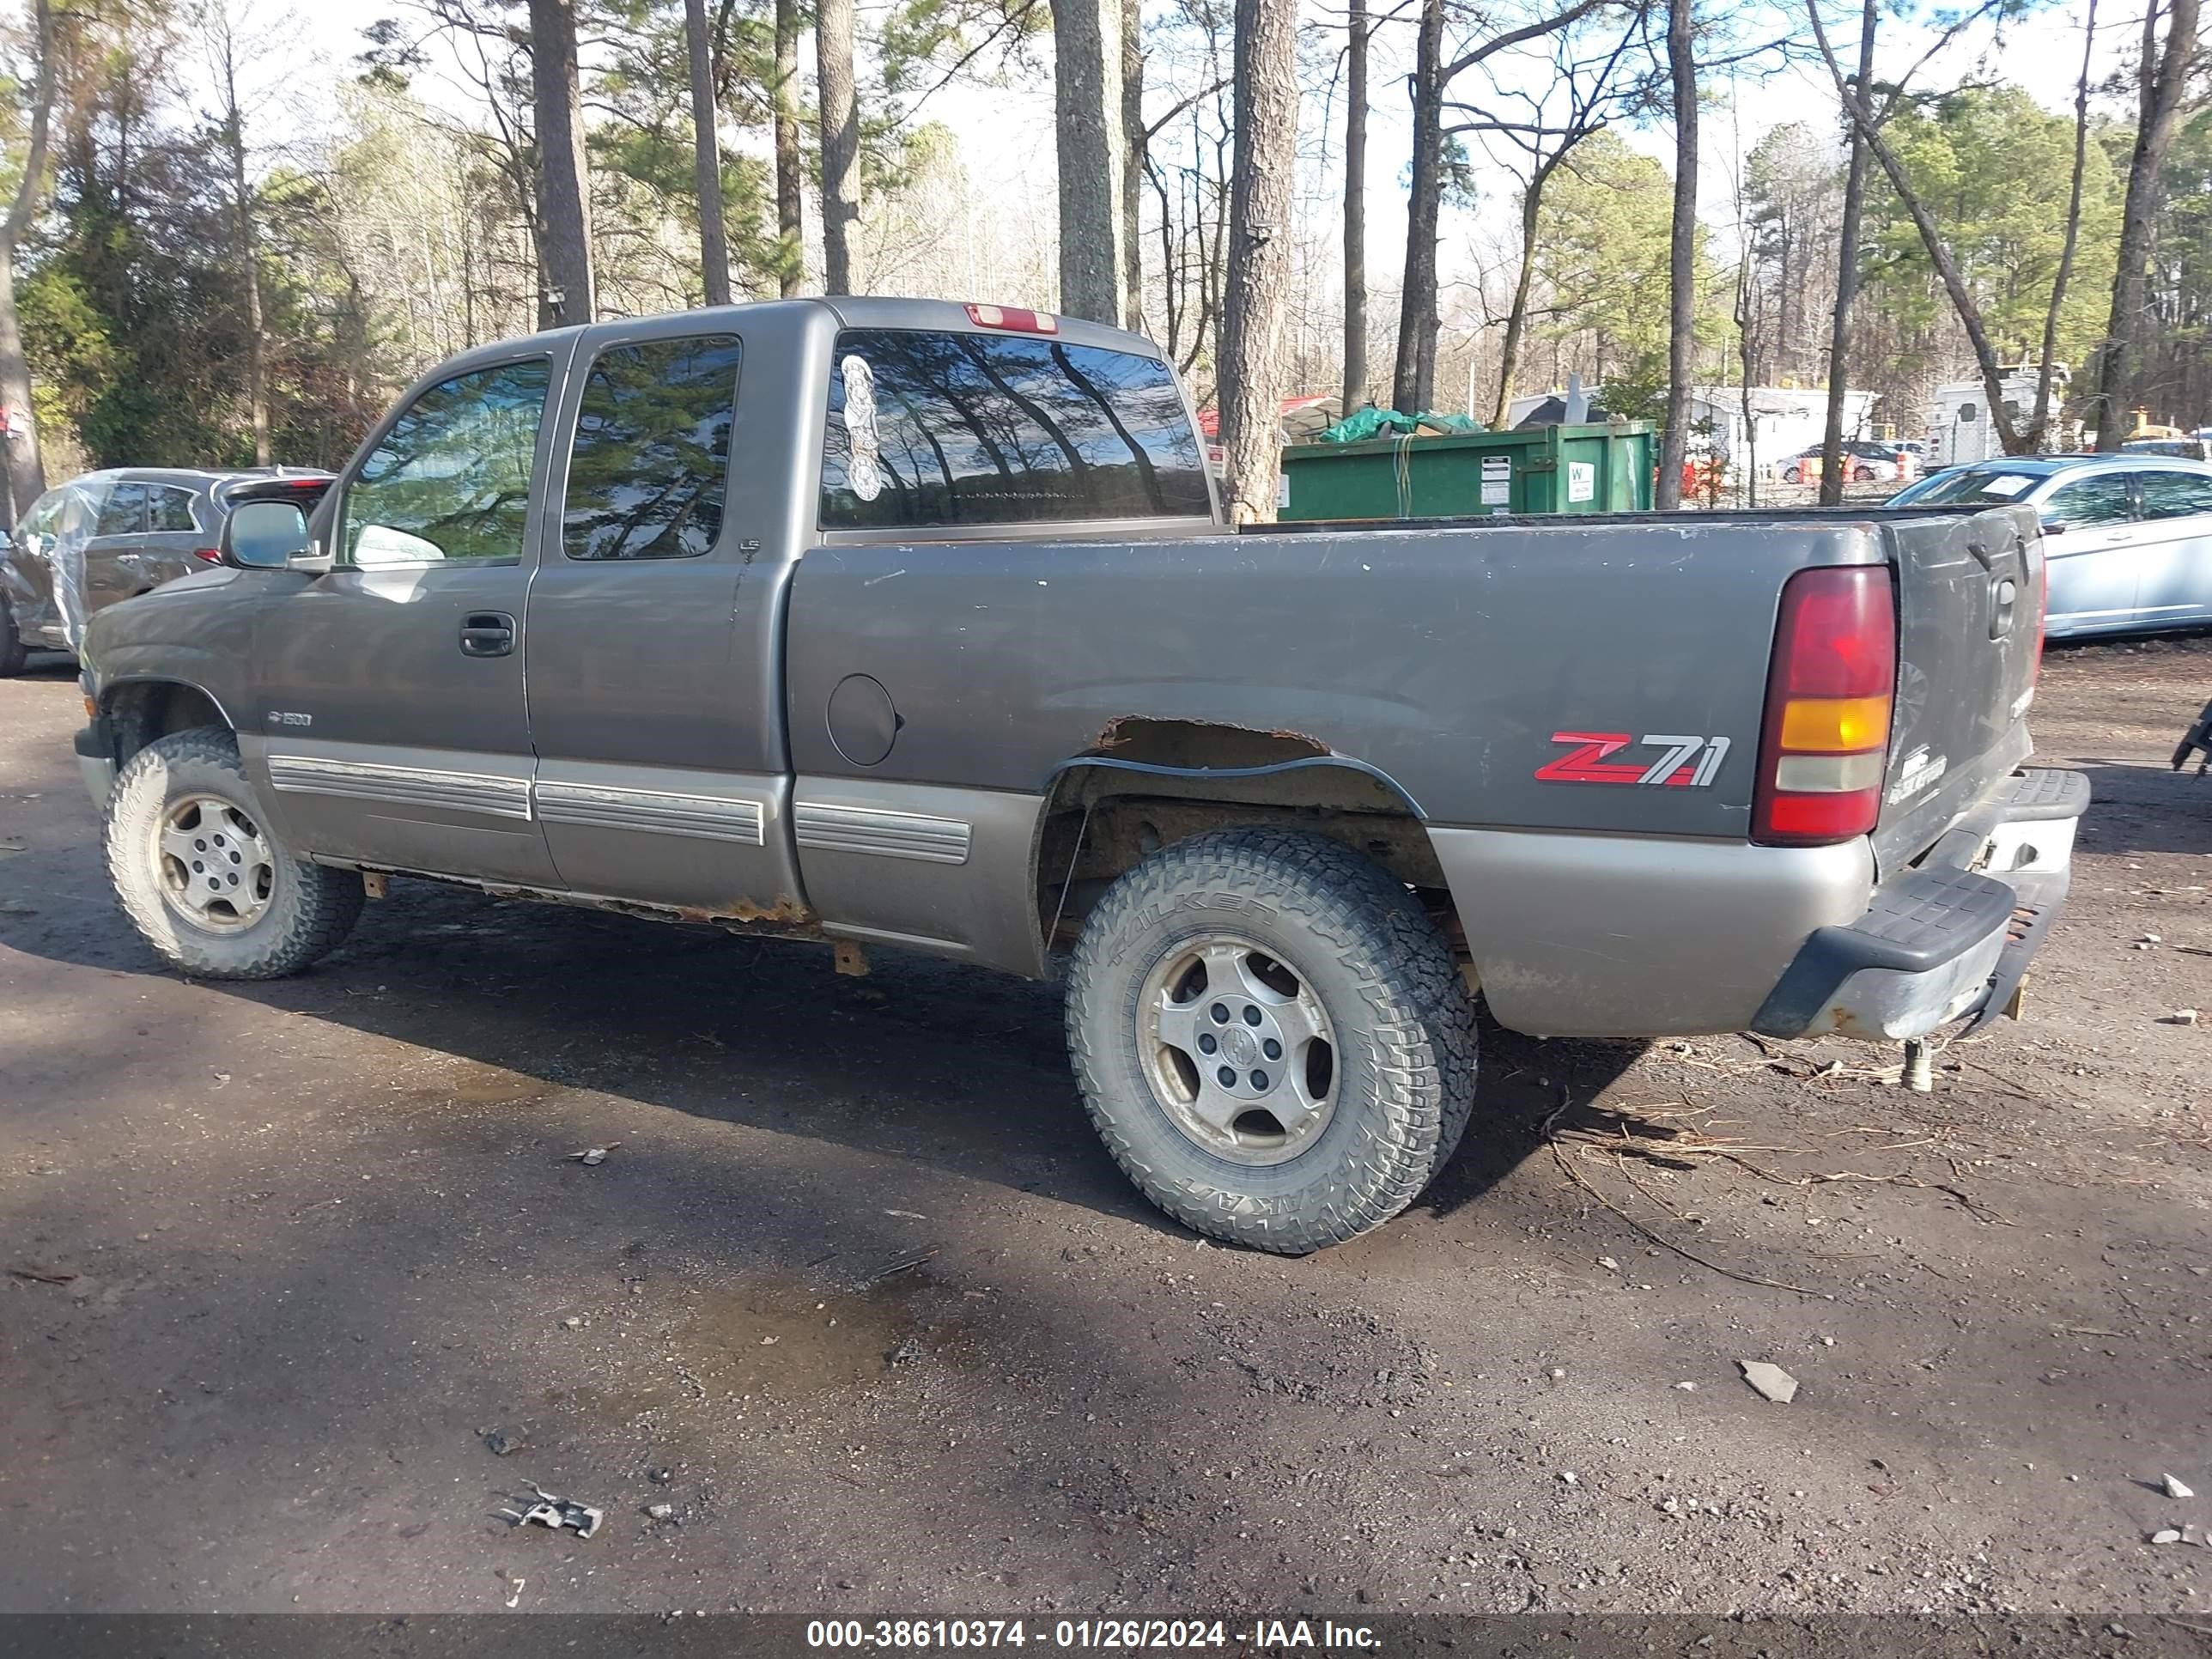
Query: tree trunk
pixel 222 54
pixel 1087 121
pixel 1135 145
pixel 2039 423
pixel 841 142
pixel 1258 285
pixel 1414 374
pixel 706 156
pixel 563 176
pixel 790 174
pixel 1931 237
pixel 27 473
pixel 1847 279
pixel 1682 259
pixel 2163 86
pixel 249 271
pixel 1746 339
pixel 1355 209
pixel 1516 319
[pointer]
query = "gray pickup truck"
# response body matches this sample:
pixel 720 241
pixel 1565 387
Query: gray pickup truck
pixel 905 623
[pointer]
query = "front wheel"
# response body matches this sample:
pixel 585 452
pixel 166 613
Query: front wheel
pixel 1791 475
pixel 1272 1037
pixel 200 877
pixel 1863 475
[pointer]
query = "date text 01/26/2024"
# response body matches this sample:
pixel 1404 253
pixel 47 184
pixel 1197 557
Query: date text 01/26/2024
pixel 1307 1635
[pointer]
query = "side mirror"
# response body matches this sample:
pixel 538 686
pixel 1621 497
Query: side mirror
pixel 264 536
pixel 2054 527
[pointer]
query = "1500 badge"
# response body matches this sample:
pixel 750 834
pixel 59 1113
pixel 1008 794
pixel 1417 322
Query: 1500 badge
pixel 1687 763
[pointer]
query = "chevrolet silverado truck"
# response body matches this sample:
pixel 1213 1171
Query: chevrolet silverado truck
pixel 911 624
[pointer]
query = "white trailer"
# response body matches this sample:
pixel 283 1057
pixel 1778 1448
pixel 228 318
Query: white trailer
pixel 1960 429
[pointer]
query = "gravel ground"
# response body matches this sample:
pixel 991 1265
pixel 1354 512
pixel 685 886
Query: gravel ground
pixel 857 1295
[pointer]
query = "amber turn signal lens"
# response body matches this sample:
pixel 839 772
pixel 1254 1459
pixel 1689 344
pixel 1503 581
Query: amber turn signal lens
pixel 1835 725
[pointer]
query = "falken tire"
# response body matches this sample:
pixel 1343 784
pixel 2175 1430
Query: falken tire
pixel 1338 927
pixel 307 911
pixel 13 652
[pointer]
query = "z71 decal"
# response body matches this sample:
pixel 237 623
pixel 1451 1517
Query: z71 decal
pixel 1687 764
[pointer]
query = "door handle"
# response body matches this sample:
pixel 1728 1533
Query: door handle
pixel 487 633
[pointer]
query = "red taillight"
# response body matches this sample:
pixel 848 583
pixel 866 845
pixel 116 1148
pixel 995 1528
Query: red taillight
pixel 1828 700
pixel 1011 317
pixel 211 555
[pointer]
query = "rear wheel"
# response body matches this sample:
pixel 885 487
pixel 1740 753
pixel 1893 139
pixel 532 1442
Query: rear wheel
pixel 1272 1037
pixel 203 881
pixel 1792 475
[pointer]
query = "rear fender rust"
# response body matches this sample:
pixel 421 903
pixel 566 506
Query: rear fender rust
pixel 1203 744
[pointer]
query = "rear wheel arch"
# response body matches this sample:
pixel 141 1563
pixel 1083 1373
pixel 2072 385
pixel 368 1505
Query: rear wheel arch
pixel 1165 781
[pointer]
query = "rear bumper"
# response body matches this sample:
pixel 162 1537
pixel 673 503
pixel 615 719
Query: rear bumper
pixel 1949 939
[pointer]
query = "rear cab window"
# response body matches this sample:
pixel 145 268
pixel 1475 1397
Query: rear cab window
pixel 931 429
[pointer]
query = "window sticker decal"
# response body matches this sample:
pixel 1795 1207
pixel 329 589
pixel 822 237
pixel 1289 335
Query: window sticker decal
pixel 863 475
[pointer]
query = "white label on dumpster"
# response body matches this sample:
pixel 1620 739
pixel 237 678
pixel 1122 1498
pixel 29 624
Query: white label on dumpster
pixel 1497 480
pixel 1582 481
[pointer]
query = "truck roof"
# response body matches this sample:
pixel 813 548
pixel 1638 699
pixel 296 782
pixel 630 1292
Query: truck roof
pixel 855 310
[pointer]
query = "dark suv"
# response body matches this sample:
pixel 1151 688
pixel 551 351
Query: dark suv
pixel 112 534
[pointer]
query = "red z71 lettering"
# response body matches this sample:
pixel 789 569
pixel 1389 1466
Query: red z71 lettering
pixel 1688 762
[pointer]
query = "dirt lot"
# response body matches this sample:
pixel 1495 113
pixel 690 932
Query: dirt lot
pixel 858 1296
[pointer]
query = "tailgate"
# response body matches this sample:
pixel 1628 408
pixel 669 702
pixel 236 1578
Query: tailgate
pixel 1969 635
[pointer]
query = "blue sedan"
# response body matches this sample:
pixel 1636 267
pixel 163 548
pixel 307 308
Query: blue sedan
pixel 2128 537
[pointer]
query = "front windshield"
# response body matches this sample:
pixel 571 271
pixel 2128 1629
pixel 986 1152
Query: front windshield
pixel 1971 485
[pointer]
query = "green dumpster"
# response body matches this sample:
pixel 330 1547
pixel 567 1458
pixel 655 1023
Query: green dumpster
pixel 1545 469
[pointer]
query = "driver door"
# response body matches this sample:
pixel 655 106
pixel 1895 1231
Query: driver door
pixel 393 730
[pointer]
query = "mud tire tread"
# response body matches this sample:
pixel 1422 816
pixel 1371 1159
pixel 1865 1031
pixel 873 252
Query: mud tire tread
pixel 312 911
pixel 1403 1001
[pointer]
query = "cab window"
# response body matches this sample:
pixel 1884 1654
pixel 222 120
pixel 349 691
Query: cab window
pixel 652 455
pixel 450 481
pixel 930 427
